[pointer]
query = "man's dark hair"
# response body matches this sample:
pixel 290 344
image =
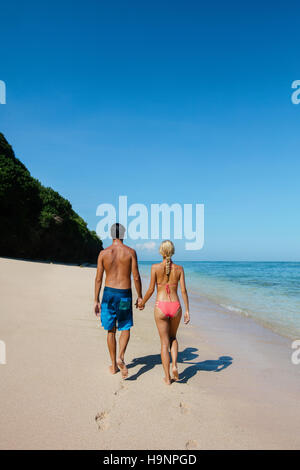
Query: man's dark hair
pixel 117 231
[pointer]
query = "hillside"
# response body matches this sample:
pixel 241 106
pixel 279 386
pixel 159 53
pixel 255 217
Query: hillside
pixel 36 222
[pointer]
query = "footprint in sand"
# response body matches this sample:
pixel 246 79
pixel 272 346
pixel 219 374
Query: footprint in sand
pixel 122 387
pixel 101 420
pixel 184 409
pixel 190 445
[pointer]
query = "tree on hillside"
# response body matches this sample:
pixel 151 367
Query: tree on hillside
pixel 36 222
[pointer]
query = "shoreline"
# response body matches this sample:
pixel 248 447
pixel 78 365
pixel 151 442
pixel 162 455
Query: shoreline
pixel 238 388
pixel 195 297
pixel 235 312
pixel 226 305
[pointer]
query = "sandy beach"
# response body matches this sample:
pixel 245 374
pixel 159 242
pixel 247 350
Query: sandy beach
pixel 238 388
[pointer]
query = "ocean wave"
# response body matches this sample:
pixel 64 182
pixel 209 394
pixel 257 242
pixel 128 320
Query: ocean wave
pixel 234 309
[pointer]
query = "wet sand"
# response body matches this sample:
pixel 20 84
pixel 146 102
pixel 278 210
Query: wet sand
pixel 238 387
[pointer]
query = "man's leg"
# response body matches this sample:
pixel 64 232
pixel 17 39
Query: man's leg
pixel 111 343
pixel 123 341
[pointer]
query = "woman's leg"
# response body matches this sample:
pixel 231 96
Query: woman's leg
pixel 162 324
pixel 174 324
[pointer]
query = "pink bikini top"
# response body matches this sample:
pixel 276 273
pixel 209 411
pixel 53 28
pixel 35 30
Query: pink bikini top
pixel 167 286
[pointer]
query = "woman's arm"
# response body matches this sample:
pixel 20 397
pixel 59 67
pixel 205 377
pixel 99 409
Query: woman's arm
pixel 184 296
pixel 150 289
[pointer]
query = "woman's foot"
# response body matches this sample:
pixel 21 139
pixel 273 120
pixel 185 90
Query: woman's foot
pixel 167 381
pixel 175 374
pixel 113 369
pixel 123 368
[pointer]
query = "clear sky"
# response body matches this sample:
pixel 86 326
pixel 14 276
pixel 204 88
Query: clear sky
pixel 186 102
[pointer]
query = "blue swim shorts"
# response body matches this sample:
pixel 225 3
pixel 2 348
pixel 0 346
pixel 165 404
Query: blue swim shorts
pixel 116 308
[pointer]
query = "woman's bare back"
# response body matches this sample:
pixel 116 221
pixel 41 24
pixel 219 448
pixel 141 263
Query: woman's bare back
pixel 162 280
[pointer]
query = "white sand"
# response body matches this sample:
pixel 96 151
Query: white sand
pixel 56 393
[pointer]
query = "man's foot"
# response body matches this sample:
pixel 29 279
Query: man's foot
pixel 167 381
pixel 175 374
pixel 123 368
pixel 113 369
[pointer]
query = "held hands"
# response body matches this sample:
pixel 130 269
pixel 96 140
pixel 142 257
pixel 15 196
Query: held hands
pixel 139 304
pixel 186 318
pixel 97 308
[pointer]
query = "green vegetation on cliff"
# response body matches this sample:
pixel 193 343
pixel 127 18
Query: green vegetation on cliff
pixel 36 222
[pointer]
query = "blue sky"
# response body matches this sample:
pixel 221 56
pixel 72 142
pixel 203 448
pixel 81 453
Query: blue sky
pixel 186 102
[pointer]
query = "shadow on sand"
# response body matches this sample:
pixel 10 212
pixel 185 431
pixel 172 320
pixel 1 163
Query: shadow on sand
pixel 184 357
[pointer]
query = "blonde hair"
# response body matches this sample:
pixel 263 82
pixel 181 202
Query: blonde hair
pixel 167 249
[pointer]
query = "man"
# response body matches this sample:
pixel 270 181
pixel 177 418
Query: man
pixel 118 261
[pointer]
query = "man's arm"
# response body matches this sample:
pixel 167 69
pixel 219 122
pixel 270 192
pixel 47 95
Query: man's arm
pixel 136 277
pixel 98 282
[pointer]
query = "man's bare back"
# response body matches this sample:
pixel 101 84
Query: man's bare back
pixel 118 262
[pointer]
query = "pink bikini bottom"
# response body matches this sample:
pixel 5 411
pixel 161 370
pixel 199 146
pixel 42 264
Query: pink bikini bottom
pixel 169 309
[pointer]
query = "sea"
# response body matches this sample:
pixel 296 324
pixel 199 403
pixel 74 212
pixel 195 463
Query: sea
pixel 267 292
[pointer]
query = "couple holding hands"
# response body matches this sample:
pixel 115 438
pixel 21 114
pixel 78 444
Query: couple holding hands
pixel 119 262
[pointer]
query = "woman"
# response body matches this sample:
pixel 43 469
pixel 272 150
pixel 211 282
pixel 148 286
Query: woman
pixel 167 311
